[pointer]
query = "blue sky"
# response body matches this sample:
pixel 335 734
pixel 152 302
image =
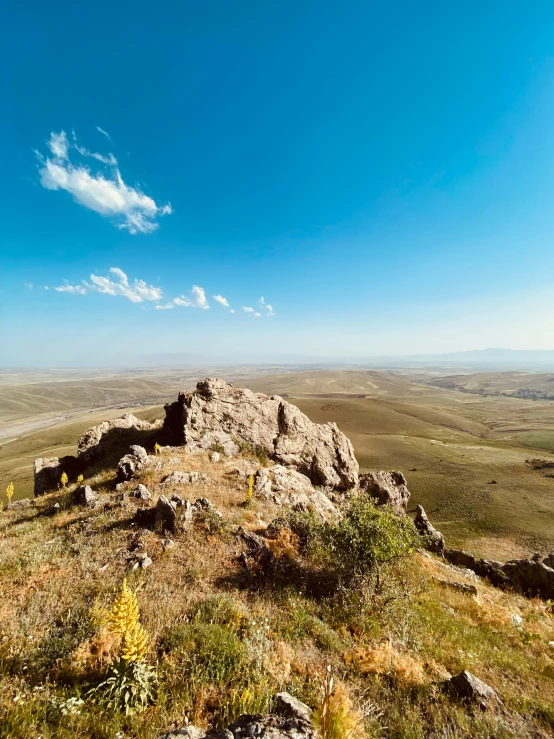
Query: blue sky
pixel 381 174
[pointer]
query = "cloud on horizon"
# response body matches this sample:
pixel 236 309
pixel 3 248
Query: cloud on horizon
pixel 105 192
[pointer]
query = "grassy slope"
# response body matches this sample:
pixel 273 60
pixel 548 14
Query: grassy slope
pixel 217 661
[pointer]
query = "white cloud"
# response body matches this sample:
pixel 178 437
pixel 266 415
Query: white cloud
pixel 221 300
pixel 166 306
pixel 73 289
pixel 104 193
pixel 268 308
pixel 58 144
pixel 29 285
pixel 248 309
pixel 195 299
pixel 136 292
pixel 105 133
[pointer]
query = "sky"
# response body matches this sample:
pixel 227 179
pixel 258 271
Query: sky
pixel 274 181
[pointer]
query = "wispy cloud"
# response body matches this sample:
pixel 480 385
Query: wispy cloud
pixel 267 307
pixel 105 133
pixel 221 300
pixel 73 289
pixel 136 291
pixel 29 285
pixel 253 311
pixel 105 192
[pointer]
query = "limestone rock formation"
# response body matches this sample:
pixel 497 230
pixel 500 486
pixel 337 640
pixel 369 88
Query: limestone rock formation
pixel 92 444
pixel 266 423
pixel 284 486
pixel 85 495
pixel 185 478
pixel 285 704
pixel 388 488
pixel 434 540
pixel 482 567
pixel 141 492
pixel 166 515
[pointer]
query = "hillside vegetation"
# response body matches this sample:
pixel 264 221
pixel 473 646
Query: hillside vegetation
pixel 225 630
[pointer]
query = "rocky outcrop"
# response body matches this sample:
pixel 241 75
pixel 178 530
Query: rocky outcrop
pixel 268 424
pixel 92 445
pixel 290 720
pixel 185 478
pixel 388 488
pixel 131 463
pixel 433 539
pixel 85 495
pixel 284 486
pixel 531 578
pixel 469 689
pixel 48 472
pixel 482 567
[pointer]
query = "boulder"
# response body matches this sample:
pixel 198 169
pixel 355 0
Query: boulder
pixel 286 705
pixel 258 725
pixel 48 472
pixel 166 515
pixel 549 560
pixel 85 495
pixel 92 444
pixel 18 504
pixel 434 540
pixel 388 488
pixel 284 486
pixel 131 463
pixel 470 689
pixel 268 424
pixel 141 492
pixel 530 577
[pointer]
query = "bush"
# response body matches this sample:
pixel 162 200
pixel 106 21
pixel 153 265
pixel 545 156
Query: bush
pixel 210 653
pixel 221 610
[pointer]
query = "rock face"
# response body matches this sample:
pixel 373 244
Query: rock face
pixel 266 423
pixel 530 578
pixel 434 540
pixel 388 488
pixel 92 444
pixel 284 486
pixel 469 688
pixel 131 463
pixel 48 472
pixel 482 567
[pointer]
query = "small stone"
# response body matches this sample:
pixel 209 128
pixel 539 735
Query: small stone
pixel 214 457
pixel 467 687
pixel 165 514
pixel 142 492
pixel 516 619
pixel 286 705
pixel 145 563
pixel 56 508
pixel 167 544
pixel 85 495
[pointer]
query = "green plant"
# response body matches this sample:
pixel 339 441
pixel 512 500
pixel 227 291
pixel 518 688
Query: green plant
pixel 220 609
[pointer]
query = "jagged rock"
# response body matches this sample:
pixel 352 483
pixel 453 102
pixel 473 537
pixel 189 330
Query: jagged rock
pixel 185 478
pixel 469 688
pixel 167 544
pixel 177 500
pixel 206 505
pixel 190 732
pixel 91 445
pixel 388 488
pixel 482 567
pixel 530 577
pixel 142 492
pixel 258 550
pixel 267 727
pixel 549 560
pixel 270 424
pixel 286 705
pixel 434 540
pixel 143 560
pixel 131 463
pixel 214 457
pixel 48 472
pixel 18 504
pixel 166 515
pixel 284 486
pixel 219 438
pixel 85 495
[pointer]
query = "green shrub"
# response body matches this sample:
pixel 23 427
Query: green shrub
pixel 221 610
pixel 209 653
